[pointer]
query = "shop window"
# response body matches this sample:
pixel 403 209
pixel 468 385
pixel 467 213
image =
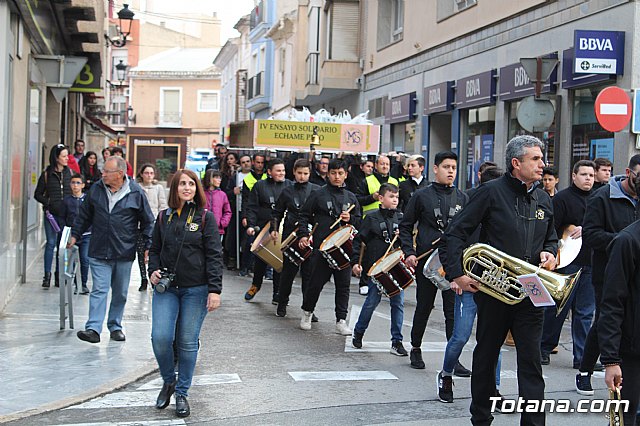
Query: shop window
pixel 376 107
pixel 480 136
pixel 548 136
pixel 588 139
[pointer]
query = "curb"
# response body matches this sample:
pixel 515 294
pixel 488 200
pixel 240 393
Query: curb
pixel 150 367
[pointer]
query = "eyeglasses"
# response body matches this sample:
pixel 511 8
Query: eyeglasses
pixel 636 175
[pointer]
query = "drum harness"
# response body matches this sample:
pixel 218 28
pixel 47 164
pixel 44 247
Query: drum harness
pixel 437 212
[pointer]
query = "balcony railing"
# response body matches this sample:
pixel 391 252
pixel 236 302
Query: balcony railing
pixel 312 68
pixel 256 86
pixel 257 15
pixel 168 119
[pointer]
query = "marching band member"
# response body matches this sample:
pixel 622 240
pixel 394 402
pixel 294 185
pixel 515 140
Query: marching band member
pixel 291 201
pixel 516 218
pixel 415 168
pixel 377 233
pixel 324 207
pixel 431 208
pixel 262 200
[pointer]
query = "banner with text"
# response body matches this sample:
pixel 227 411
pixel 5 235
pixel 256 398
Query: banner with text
pixel 333 137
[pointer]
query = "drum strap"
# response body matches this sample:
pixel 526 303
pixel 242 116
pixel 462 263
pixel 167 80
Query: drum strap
pixel 437 212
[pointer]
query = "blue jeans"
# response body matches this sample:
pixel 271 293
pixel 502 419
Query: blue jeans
pixel 53 239
pixel 182 308
pixel 464 316
pixel 83 253
pixel 582 305
pixel 370 304
pixel 114 274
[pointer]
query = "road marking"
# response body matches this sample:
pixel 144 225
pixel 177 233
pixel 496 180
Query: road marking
pixel 301 376
pixel 120 400
pixel 138 423
pixel 386 346
pixel 513 374
pixel 202 380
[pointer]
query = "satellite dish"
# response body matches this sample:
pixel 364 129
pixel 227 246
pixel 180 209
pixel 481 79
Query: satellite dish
pixel 535 114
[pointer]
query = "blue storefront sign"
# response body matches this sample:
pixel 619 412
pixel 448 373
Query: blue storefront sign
pixel 400 109
pixel 515 84
pixel 438 98
pixel 598 52
pixel 476 90
pixel 602 148
pixel 571 80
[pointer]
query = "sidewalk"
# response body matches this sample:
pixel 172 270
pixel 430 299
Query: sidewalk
pixel 45 368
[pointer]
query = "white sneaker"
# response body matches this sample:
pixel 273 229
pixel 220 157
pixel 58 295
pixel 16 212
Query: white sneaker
pixel 342 328
pixel 305 321
pixel 364 290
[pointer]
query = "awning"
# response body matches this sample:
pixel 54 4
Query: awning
pixel 101 127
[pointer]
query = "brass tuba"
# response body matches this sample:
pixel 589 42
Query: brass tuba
pixel 497 273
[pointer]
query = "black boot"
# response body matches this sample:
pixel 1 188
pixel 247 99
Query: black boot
pixel 182 406
pixel 164 397
pixel 57 279
pixel 143 286
pixel 46 280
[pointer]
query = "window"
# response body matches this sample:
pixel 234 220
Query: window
pixel 118 105
pixel 208 101
pixel 170 113
pixel 282 63
pixel 448 8
pixel 343 19
pixel 390 22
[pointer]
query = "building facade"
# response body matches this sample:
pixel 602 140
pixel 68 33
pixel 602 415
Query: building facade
pixel 447 75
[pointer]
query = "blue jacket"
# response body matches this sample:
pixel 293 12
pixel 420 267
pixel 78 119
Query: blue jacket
pixel 114 234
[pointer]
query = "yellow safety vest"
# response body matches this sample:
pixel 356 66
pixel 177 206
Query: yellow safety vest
pixel 374 185
pixel 250 180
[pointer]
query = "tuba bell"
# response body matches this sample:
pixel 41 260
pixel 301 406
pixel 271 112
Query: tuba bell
pixel 497 273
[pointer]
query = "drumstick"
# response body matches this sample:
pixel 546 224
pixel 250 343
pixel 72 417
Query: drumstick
pixel 338 220
pixel 313 230
pixel 428 251
pixel 390 245
pixel 291 236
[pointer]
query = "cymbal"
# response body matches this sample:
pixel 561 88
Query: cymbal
pixel 568 248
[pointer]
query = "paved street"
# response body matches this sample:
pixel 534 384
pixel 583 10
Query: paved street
pixel 255 368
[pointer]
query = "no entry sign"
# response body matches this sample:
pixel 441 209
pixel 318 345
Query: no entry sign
pixel 613 109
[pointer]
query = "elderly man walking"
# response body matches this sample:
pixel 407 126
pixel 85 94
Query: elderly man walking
pixel 117 211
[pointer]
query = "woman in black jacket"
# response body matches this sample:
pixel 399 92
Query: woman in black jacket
pixel 186 260
pixel 89 169
pixel 53 185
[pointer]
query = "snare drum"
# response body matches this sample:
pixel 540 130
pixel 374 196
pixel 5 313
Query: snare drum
pixel 391 274
pixel 294 253
pixel 337 248
pixel 268 249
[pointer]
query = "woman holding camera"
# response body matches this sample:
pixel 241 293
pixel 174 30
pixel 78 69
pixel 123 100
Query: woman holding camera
pixel 186 260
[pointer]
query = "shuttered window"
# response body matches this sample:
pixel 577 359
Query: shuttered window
pixel 343 23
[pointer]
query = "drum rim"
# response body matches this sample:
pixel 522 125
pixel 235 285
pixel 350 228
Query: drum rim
pixel 336 232
pixel 379 261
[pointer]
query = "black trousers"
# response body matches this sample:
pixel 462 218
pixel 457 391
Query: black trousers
pixel 321 273
pixel 591 345
pixel 259 268
pixel 289 271
pixel 495 319
pixel 141 264
pixel 425 298
pixel 631 387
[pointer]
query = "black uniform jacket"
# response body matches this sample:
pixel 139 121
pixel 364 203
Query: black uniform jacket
pixel 422 209
pixel 376 232
pixel 407 189
pixel 52 192
pixel 619 323
pixel 262 200
pixel 200 260
pixel 608 212
pixel 291 201
pixel 569 206
pixel 324 207
pixel 504 208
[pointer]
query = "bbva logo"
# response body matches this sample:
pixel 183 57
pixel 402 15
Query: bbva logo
pixel 596 44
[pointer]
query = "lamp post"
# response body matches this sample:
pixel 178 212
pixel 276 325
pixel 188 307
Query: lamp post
pixel 121 71
pixel 125 18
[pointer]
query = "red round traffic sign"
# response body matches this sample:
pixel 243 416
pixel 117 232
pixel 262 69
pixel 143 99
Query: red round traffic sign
pixel 613 109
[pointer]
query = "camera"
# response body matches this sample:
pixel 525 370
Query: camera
pixel 166 278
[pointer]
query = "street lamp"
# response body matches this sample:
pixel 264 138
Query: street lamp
pixel 125 18
pixel 121 71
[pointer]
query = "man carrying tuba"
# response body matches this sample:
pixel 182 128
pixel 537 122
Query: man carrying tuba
pixel 517 219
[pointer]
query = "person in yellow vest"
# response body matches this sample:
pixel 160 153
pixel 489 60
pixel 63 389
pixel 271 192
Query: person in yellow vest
pixel 257 173
pixel 368 197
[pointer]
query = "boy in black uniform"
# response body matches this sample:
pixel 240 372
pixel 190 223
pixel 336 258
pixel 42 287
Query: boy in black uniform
pixel 431 208
pixel 262 200
pixel 291 201
pixel 377 231
pixel 416 180
pixel 324 207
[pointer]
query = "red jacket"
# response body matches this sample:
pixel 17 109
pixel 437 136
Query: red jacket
pixel 73 164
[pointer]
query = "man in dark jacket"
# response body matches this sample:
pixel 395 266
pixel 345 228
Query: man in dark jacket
pixel 610 209
pixel 431 208
pixel 416 180
pixel 290 202
pixel 118 212
pixel 262 200
pixel 569 206
pixel 256 173
pixel 618 329
pixel 319 172
pixel 603 172
pixel 517 219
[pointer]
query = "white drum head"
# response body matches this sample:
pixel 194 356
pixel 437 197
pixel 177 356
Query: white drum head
pixel 386 263
pixel 337 238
